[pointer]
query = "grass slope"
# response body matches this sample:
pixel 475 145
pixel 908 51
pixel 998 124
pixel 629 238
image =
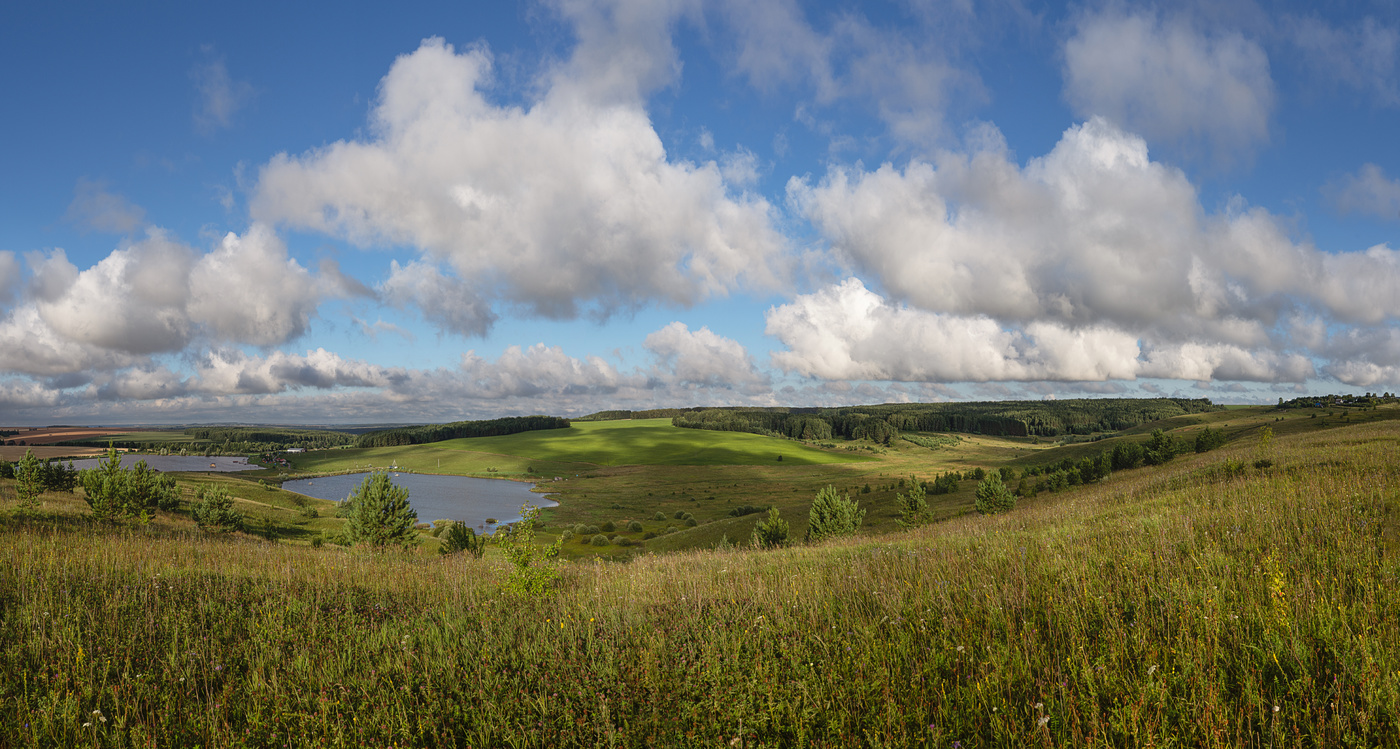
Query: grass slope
pixel 1196 604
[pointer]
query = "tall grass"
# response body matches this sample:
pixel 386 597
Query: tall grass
pixel 1192 605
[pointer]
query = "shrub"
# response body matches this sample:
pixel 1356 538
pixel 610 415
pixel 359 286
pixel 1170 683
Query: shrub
pixel 533 568
pixel 634 526
pixel 625 542
pixel 213 510
pixel 461 537
pixel 771 531
pixel 659 515
pixel 743 510
pixel 993 496
pixel 691 522
pixel 380 514
pixel 599 540
pixel 680 515
pixel 609 526
pixel 649 535
pixel 833 514
pixel 671 529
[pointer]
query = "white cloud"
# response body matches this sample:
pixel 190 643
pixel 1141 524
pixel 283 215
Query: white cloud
pixel 905 74
pixel 570 205
pixel 219 95
pixel 444 300
pixel 9 276
pixel 1171 82
pixel 94 207
pixel 156 295
pixel 703 358
pixel 1369 192
pixel 1093 236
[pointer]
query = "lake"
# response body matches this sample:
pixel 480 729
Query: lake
pixel 188 463
pixel 435 497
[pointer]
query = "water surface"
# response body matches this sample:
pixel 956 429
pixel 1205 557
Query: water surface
pixel 434 497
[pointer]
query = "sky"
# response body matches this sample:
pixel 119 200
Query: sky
pixel 350 214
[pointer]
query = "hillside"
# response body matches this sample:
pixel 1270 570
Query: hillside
pixel 1201 603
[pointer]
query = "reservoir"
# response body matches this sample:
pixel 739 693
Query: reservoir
pixel 435 497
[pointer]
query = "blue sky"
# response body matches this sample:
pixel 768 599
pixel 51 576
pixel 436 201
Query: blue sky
pixel 349 214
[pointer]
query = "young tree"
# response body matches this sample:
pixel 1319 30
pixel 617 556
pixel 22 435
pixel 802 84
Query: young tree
pixel 913 508
pixel 993 496
pixel 770 532
pixel 380 514
pixel 533 569
pixel 213 510
pixel 29 479
pixel 833 514
pixel 459 537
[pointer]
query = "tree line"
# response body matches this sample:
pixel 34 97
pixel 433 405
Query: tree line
pixel 884 423
pixel 456 430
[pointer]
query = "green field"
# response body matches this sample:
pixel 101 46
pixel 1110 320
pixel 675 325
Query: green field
pixel 1248 596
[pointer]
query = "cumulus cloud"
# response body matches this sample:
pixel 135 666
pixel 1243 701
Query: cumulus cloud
pixel 703 358
pixel 569 205
pixel 219 95
pixel 9 276
pixel 1093 239
pixel 94 207
pixel 1169 81
pixel 1369 192
pixel 444 300
pixel 156 295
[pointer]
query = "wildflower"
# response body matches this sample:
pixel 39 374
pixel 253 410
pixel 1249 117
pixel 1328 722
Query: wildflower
pixel 1044 719
pixel 1275 708
pixel 1151 669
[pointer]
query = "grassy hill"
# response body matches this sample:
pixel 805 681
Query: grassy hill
pixel 1201 603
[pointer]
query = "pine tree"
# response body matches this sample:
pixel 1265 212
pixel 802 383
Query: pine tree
pixel 380 514
pixel 993 496
pixel 213 510
pixel 771 531
pixel 29 479
pixel 833 514
pixel 913 508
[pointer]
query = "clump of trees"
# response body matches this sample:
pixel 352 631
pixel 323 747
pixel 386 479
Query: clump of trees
pixel 456 430
pixel 913 507
pixel 114 492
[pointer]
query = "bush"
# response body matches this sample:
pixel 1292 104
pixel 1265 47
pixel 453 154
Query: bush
pixel 213 510
pixel 634 526
pixel 533 569
pixel 380 514
pixel 461 537
pixel 609 526
pixel 599 540
pixel 113 492
pixel 833 514
pixel 659 515
pixel 771 531
pixel 680 515
pixel 649 535
pixel 743 510
pixel 691 522
pixel 993 496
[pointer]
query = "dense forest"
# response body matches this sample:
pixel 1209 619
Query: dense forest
pixel 886 422
pixel 654 413
pixel 458 429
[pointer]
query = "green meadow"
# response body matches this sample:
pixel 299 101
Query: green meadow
pixel 1247 596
